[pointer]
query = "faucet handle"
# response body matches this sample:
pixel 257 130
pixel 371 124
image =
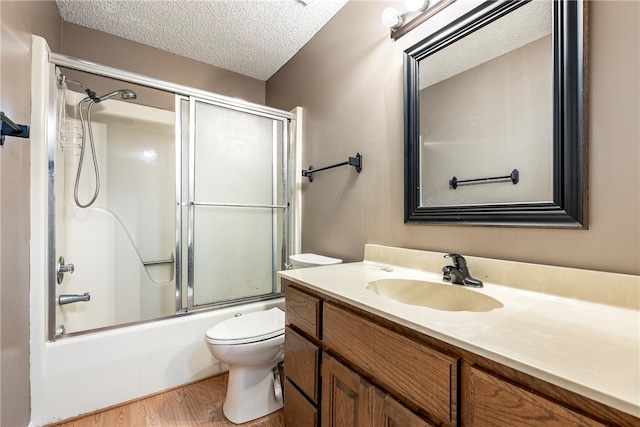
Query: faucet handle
pixel 446 273
pixel 458 260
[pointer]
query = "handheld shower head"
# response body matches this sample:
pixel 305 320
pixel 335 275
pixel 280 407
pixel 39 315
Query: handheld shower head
pixel 91 100
pixel 128 94
pixel 125 94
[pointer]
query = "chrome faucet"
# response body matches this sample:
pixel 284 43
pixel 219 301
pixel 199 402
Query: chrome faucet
pixel 70 299
pixel 458 273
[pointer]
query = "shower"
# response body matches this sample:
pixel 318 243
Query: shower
pixel 174 224
pixel 189 229
pixel 90 101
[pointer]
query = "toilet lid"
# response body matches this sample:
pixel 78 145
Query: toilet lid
pixel 314 259
pixel 248 328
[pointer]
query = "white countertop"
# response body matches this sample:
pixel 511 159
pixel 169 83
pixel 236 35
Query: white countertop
pixel 589 348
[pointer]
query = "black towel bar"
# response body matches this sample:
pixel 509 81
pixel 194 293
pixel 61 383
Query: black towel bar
pixel 454 182
pixel 353 161
pixel 9 128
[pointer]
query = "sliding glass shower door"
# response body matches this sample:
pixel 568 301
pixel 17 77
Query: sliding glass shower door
pixel 236 204
pixel 193 206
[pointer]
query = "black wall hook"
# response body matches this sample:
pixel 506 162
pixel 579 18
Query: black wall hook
pixel 353 161
pixel 9 128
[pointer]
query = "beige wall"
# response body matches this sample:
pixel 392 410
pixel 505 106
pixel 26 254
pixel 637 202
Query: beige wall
pixel 349 80
pixel 103 48
pixel 20 19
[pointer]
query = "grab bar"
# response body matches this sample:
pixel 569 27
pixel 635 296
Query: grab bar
pixel 160 261
pixel 454 182
pixel 237 205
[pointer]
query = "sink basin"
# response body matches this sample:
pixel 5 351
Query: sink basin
pixel 439 296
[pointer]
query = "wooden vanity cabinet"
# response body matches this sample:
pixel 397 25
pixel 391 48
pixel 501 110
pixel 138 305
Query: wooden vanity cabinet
pixel 320 390
pixel 346 367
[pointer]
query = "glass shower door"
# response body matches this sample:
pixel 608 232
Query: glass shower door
pixel 237 204
pixel 193 207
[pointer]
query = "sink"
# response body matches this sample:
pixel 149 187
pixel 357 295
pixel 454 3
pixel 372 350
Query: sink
pixel 439 296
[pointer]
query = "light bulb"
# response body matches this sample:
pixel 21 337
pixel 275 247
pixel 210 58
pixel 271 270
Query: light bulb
pixel 413 5
pixel 390 18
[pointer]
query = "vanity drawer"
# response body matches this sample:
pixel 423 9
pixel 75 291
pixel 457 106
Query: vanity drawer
pixel 499 403
pixel 302 361
pixel 298 411
pixel 303 310
pixel 416 374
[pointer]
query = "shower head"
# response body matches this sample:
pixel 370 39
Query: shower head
pixel 125 94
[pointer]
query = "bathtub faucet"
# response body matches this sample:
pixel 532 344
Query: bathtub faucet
pixel 69 299
pixel 458 273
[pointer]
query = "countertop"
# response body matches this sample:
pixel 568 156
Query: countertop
pixel 589 348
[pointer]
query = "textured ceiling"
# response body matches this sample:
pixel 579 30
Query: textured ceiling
pixel 250 37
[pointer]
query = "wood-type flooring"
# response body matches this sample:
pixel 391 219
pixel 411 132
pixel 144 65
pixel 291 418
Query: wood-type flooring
pixel 198 404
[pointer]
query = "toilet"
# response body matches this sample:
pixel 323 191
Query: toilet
pixel 252 345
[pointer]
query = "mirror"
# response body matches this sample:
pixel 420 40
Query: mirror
pixel 495 107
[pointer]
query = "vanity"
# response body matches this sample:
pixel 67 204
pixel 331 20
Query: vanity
pixel 372 344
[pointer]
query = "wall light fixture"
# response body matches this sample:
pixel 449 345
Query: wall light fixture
pixel 417 11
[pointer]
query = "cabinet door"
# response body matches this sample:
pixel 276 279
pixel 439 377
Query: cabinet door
pixel 497 403
pixel 345 396
pixel 396 415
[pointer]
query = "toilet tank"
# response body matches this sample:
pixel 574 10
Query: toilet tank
pixel 311 260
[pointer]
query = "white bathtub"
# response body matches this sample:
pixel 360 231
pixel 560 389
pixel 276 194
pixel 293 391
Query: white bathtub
pixel 77 375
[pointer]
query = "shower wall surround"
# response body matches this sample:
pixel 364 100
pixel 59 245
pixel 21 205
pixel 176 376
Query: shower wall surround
pixel 131 222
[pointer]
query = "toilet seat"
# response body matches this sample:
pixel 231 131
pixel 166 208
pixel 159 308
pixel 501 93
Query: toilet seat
pixel 247 328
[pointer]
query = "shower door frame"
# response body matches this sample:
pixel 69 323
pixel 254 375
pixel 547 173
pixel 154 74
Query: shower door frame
pixel 191 203
pixel 180 93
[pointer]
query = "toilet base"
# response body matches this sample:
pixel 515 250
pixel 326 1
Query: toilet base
pixel 250 394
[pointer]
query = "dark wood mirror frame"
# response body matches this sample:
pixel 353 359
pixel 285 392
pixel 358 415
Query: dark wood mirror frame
pixel 569 206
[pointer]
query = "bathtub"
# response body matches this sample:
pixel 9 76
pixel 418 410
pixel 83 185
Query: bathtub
pixel 82 374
